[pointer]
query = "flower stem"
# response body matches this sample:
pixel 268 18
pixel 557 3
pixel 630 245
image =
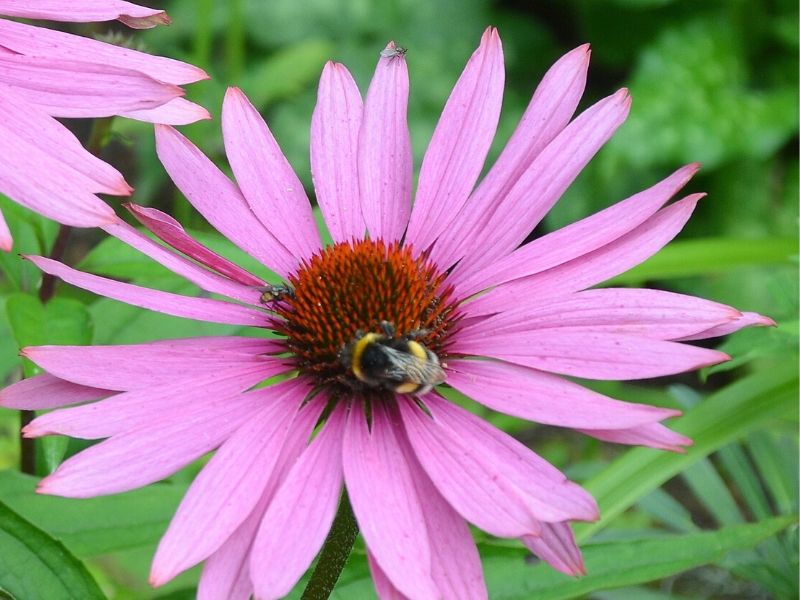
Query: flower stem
pixel 334 554
pixel 97 140
pixel 48 287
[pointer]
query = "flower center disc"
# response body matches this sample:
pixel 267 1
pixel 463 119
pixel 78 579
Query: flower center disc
pixel 350 289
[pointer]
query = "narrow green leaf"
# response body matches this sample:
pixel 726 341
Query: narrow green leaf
pixel 777 466
pixel 736 463
pixel 622 563
pixel 94 526
pixel 710 489
pixel 723 417
pixel 34 565
pixel 665 509
pixel 713 255
pixel 774 552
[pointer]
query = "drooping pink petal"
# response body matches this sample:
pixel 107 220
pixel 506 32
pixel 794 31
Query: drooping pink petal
pixel 516 214
pixel 388 510
pixel 219 200
pixel 595 267
pixel 550 109
pixel 334 152
pixel 383 586
pixel 177 111
pixel 226 573
pixel 228 488
pixel 143 366
pixel 577 239
pixel 68 88
pixel 384 151
pixel 203 309
pixel 37 128
pixel 491 479
pixel 6 240
pixel 268 183
pixel 591 354
pixel 35 178
pixel 86 11
pixel 556 546
pixel 182 400
pixel 746 319
pixel 46 391
pixel 203 278
pixel 460 143
pixel 545 398
pixel 296 523
pixel 653 435
pixel 455 563
pixel 48 43
pixel 145 455
pixel 648 313
pixel 170 231
pixel 25 183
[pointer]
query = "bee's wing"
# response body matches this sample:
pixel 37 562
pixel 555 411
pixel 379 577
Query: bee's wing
pixel 407 368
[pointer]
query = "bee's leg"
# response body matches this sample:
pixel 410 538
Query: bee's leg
pixel 388 329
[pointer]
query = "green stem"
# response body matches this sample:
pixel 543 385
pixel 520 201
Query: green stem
pixel 203 33
pixel 334 554
pixel 97 140
pixel 235 40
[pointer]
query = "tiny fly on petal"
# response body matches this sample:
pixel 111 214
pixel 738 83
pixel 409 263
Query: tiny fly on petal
pixel 393 52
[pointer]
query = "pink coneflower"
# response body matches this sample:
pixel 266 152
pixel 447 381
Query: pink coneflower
pixel 46 73
pixel 443 281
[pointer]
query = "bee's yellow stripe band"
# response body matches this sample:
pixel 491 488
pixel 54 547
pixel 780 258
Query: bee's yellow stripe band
pixel 358 352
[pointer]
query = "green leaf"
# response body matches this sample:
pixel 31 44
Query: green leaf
pixel 711 255
pixel 665 509
pixel 776 460
pixel 754 343
pixel 33 234
pixel 51 451
pixel 287 72
pixel 34 565
pixel 723 417
pixel 622 563
pixel 695 100
pixel 61 321
pixel 8 346
pixel 94 526
pixel 708 486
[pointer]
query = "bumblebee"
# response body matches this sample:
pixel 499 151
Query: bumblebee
pixel 398 364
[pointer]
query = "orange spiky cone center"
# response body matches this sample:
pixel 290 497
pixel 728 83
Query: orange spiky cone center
pixel 350 289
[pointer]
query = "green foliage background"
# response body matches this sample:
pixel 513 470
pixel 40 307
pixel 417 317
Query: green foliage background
pixel 713 81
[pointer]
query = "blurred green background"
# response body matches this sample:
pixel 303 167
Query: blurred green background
pixel 712 81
